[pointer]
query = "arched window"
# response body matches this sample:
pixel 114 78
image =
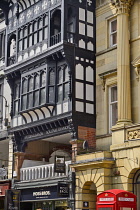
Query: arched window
pixel 56 27
pixel 70 26
pixel 12 49
pixel 137 187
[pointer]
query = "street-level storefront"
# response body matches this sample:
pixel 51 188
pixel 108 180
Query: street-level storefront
pixel 4 185
pixel 45 198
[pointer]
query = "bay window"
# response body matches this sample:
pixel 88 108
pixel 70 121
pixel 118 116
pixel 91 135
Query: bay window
pixel 33 92
pixel 46 86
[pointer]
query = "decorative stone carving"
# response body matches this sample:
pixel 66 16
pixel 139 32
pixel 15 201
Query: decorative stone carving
pixel 137 72
pixel 122 6
pixel 135 134
pixel 136 64
pixel 103 81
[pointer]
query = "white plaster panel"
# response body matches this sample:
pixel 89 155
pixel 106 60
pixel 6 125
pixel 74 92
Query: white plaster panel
pixel 10 14
pixel 20 121
pixel 65 107
pixel 31 52
pixel 33 115
pixel 90 31
pixel 81 14
pixel 79 106
pixel 27 117
pixel 50 108
pixel 38 50
pixel 46 112
pixel 89 108
pixel 25 55
pixel 90 17
pixel 20 8
pixel 44 47
pixel 90 46
pixel 2 62
pixel 7 95
pixel 27 3
pixel 14 122
pixel 79 90
pixel 89 74
pixel 39 113
pixel 82 43
pixel 19 58
pixel 59 111
pixel 89 92
pixel 79 72
pixel 2 25
pixel 82 28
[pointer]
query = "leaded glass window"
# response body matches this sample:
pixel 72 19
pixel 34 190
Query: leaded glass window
pixel 33 92
pixel 51 85
pixel 16 98
pixel 33 33
pixel 62 83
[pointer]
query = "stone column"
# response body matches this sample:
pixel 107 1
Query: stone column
pixel 123 61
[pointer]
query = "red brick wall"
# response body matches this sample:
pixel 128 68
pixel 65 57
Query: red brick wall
pixel 87 134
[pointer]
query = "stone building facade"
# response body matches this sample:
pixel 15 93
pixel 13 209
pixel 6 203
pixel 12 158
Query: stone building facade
pixel 116 162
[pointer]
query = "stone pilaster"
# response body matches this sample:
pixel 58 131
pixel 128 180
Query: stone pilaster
pixel 123 60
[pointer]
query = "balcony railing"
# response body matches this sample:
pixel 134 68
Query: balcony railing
pixel 42 172
pixel 55 39
pixel 71 37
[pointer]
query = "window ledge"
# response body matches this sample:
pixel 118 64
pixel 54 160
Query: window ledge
pixel 106 50
pixel 103 136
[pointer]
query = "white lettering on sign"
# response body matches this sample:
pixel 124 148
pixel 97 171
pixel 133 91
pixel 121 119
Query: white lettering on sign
pixel 106 199
pixel 41 193
pixel 126 199
pixel 10 207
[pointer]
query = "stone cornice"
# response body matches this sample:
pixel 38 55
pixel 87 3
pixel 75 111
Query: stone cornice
pixel 122 6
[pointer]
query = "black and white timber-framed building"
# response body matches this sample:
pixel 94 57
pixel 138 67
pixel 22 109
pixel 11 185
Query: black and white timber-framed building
pixel 50 67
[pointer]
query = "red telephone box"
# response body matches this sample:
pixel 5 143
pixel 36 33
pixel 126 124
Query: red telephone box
pixel 116 200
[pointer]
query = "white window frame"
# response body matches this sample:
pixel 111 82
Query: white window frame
pixel 111 33
pixel 110 107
